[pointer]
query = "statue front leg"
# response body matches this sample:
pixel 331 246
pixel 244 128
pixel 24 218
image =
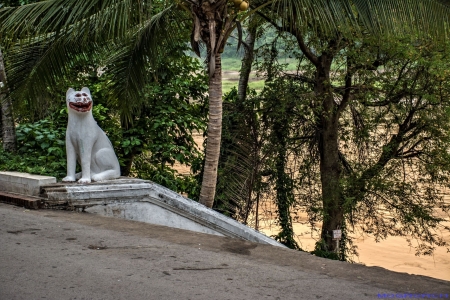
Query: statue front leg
pixel 71 162
pixel 85 158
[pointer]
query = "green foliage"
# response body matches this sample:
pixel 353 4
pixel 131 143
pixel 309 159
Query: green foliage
pixel 319 251
pixel 177 102
pixel 41 147
pixel 282 116
pixel 411 108
pixel 254 157
pixel 166 176
pixel 408 99
pixel 234 183
pixel 160 132
pixel 229 180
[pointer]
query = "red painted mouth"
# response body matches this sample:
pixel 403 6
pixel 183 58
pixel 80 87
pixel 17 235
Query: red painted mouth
pixel 80 106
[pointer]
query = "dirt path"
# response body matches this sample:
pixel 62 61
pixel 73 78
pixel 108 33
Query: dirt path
pixel 53 254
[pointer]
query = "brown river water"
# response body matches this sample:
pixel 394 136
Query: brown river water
pixel 393 253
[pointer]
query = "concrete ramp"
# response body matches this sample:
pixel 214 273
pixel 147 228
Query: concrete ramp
pixel 146 201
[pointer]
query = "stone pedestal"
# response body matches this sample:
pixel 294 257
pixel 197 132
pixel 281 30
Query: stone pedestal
pixel 23 183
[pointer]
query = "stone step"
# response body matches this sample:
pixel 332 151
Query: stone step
pixel 21 200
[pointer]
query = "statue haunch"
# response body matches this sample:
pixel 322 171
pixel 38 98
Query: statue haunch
pixel 87 143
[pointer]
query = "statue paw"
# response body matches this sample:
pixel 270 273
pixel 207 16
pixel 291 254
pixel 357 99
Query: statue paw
pixel 84 180
pixel 68 179
pixel 97 177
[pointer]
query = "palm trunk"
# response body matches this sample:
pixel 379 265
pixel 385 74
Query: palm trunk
pixel 209 182
pixel 8 128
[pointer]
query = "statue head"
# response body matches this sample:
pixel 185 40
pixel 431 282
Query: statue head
pixel 79 101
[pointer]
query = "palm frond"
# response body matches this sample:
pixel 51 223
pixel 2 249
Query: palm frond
pixel 109 18
pixel 36 65
pixel 430 17
pixel 237 184
pixel 138 54
pixel 37 62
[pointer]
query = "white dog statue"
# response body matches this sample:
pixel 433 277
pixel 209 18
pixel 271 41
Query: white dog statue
pixel 87 143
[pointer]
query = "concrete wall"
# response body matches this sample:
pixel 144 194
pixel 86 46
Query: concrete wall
pixel 150 213
pixel 146 201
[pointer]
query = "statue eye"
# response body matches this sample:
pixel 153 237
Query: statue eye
pixel 84 94
pixel 78 95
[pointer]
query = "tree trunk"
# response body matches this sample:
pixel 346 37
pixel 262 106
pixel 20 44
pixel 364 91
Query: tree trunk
pixel 330 168
pixel 247 62
pixel 328 147
pixel 331 191
pixel 8 128
pixel 209 182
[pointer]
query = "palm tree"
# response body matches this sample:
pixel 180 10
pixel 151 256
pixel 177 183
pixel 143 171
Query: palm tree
pixel 7 120
pixel 54 32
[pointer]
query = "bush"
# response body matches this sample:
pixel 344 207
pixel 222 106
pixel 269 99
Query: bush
pixel 40 148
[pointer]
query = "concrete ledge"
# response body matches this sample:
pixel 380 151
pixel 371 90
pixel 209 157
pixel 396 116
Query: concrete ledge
pixel 21 200
pixel 146 201
pixel 23 183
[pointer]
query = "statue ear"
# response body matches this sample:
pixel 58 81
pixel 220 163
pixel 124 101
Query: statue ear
pixel 86 90
pixel 69 91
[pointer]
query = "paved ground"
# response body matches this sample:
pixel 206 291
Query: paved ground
pixel 48 254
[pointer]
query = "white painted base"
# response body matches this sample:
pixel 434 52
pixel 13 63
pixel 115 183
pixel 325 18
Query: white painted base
pixel 150 213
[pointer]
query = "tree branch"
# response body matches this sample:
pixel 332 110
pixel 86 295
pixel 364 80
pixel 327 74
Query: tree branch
pixel 306 51
pixel 401 153
pixel 279 28
pixel 300 78
pixel 370 67
pixel 390 151
pixel 193 2
pixel 218 4
pixel 403 68
pixel 348 168
pixel 346 95
pixel 299 37
pixel 410 155
pixel 394 99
